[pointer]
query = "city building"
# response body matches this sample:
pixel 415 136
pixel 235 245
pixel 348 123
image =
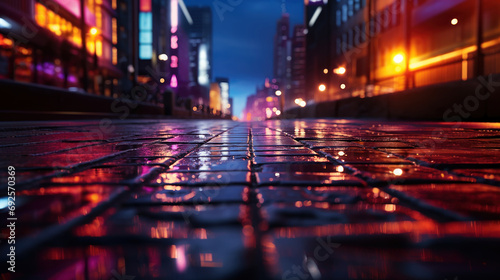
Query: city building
pixel 282 53
pixel 318 21
pixel 215 98
pixel 220 102
pixel 41 42
pixel 264 104
pixel 200 53
pixel 298 66
pixel 230 106
pixel 379 47
pixel 224 95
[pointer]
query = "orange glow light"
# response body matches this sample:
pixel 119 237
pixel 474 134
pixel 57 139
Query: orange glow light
pixel 322 87
pixel 398 58
pixel 339 71
pixel 145 6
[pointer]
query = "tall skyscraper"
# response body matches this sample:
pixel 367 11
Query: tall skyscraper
pixel 200 53
pixel 57 43
pixel 224 94
pixel 298 66
pixel 282 58
pixel 318 59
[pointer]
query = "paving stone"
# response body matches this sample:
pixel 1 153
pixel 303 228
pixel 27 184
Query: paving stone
pixel 292 158
pixel 307 179
pixel 355 155
pixel 481 200
pixel 376 173
pixel 204 178
pixel 297 199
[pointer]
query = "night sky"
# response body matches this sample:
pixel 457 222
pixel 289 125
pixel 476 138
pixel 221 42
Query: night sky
pixel 243 42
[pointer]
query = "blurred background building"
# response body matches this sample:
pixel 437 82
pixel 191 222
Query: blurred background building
pixel 156 44
pixel 298 66
pixel 366 48
pixel 41 42
pixel 200 53
pixel 265 103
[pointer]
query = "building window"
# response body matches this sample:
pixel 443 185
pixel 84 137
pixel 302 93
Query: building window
pixel 115 56
pixel 357 36
pixel 386 18
pixel 145 35
pixel 344 13
pixel 114 27
pixel 357 5
pixel 396 13
pixel 363 32
pixel 338 17
pixel 98 17
pixel 350 8
pixel 56 24
pixel 350 43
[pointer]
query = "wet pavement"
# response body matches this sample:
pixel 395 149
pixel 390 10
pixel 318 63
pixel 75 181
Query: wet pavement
pixel 312 199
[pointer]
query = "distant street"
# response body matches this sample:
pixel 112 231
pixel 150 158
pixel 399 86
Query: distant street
pixel 213 199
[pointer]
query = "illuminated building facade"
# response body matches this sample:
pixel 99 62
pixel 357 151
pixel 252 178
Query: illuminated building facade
pixel 41 42
pixel 224 95
pixel 220 102
pixel 153 46
pixel 298 65
pixel 264 104
pixel 282 53
pixel 379 47
pixel 215 100
pixel 318 21
pixel 199 29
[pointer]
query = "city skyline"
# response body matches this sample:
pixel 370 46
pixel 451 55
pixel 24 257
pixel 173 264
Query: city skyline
pixel 236 40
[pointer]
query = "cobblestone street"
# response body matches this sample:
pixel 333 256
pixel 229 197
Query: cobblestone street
pixel 306 199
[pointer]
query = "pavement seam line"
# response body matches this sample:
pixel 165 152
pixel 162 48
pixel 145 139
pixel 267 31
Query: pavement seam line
pixel 435 213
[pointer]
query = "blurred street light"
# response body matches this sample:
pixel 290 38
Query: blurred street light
pixel 300 102
pixel 163 57
pixel 325 71
pixel 5 24
pixel 278 112
pixel 322 87
pixel 342 86
pixel 454 21
pixel 93 31
pixel 278 93
pixel 398 58
pixel 339 71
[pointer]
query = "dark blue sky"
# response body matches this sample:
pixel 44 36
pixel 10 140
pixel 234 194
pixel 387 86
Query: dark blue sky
pixel 243 42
